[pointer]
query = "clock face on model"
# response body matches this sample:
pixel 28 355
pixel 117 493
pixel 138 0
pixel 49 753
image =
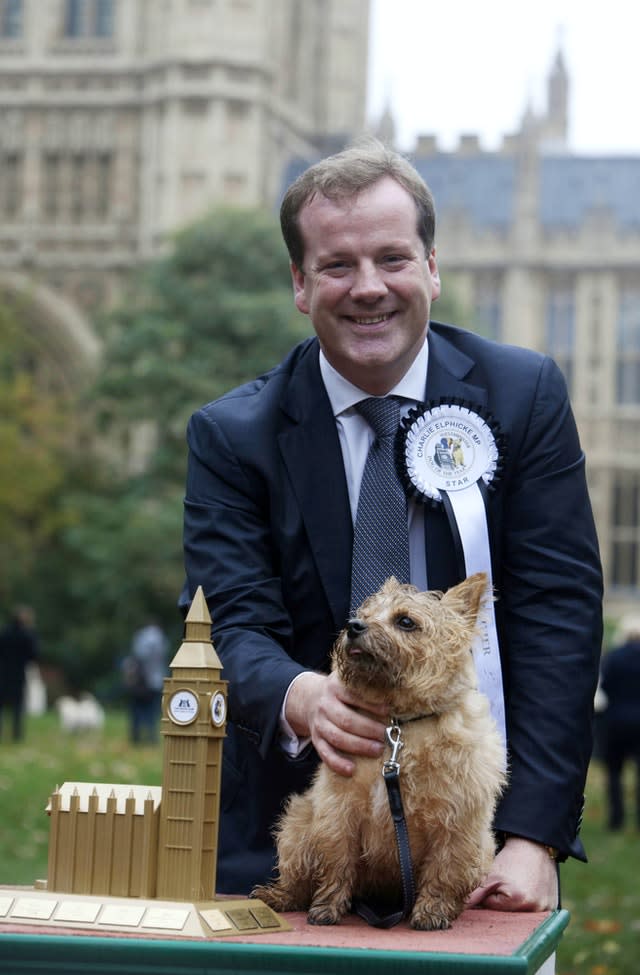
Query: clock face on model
pixel 183 707
pixel 218 709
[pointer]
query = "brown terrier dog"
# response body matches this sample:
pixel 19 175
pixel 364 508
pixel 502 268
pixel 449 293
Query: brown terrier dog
pixel 336 842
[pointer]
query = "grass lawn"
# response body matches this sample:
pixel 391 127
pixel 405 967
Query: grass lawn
pixel 603 897
pixel 31 770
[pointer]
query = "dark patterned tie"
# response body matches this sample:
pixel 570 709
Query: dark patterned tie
pixel 381 536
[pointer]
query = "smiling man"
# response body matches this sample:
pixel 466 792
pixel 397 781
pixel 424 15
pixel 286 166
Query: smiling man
pixel 273 485
pixel 367 281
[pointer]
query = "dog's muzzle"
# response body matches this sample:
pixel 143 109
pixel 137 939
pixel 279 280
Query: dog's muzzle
pixel 356 628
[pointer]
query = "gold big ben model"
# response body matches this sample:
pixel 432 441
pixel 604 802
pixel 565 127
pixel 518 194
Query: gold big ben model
pixel 142 859
pixel 194 708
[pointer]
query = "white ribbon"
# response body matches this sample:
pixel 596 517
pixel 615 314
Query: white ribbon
pixel 448 449
pixel 471 519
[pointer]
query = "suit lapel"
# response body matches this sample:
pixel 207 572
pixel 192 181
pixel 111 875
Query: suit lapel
pixel 448 372
pixel 311 453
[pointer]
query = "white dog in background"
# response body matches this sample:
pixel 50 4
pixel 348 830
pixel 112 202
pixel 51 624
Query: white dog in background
pixel 84 713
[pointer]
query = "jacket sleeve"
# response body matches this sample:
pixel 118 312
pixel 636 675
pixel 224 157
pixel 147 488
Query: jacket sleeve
pixel 550 613
pixel 229 550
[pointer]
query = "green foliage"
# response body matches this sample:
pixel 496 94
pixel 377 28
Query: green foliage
pixel 91 497
pixel 448 308
pixel 124 561
pixel 216 311
pixel 36 434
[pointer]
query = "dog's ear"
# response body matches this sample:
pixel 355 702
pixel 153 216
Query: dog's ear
pixel 466 598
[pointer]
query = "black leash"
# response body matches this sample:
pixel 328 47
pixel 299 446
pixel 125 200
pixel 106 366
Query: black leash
pixel 391 776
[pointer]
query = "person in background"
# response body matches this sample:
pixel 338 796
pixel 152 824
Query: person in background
pixel 143 674
pixel 620 684
pixel 271 512
pixel 18 648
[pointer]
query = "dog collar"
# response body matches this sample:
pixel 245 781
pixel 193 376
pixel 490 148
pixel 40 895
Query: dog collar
pixel 414 717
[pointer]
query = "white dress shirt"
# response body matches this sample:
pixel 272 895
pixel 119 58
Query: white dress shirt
pixel 356 436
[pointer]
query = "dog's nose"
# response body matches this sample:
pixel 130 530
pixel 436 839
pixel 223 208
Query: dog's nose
pixel 356 628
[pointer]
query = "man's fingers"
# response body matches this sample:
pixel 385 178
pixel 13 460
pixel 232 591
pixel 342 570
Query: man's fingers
pixel 480 894
pixel 337 762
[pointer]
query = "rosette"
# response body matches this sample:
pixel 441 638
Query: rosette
pixel 452 454
pixel 446 447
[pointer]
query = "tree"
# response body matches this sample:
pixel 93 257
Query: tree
pixel 91 498
pixel 36 430
pixel 215 311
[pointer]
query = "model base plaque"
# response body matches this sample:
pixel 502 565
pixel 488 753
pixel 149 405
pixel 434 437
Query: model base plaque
pixel 143 917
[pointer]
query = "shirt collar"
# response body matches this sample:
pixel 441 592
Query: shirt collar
pixel 343 395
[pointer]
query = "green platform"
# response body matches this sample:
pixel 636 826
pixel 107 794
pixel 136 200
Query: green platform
pixel 43 954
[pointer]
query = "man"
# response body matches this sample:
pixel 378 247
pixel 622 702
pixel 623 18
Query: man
pixel 621 688
pixel 272 495
pixel 144 671
pixel 18 648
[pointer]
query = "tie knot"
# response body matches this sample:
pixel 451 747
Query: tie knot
pixel 382 414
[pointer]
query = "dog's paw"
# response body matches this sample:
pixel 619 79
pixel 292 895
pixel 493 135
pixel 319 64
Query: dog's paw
pixel 323 914
pixel 280 897
pixel 271 896
pixel 423 919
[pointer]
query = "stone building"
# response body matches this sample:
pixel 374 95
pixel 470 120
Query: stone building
pixel 121 120
pixel 542 249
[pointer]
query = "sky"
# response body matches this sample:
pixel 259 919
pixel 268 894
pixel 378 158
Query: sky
pixel 453 67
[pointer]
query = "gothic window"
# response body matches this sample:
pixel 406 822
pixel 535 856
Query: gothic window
pixel 625 530
pixel 10 185
pixel 104 18
pixel 74 18
pixel 103 185
pixel 235 186
pixel 10 18
pixel 560 326
pixel 488 307
pixel 76 187
pixel 237 114
pixel 628 347
pixel 88 18
pixel 51 185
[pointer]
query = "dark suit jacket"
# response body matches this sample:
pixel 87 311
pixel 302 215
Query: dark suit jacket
pixel 268 535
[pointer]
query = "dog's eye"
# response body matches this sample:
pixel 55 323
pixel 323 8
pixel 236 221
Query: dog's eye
pixel 405 623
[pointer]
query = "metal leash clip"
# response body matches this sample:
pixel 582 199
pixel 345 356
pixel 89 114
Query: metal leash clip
pixel 394 737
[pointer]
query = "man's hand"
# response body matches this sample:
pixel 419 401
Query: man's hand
pixel 339 724
pixel 523 878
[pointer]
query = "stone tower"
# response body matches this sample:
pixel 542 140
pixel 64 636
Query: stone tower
pixel 194 707
pixel 556 121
